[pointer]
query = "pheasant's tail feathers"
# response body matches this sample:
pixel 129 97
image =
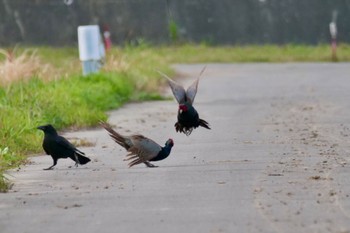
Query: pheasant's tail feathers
pixel 83 159
pixel 204 124
pixel 186 130
pixel 113 134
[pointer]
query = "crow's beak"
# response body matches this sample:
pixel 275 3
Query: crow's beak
pixel 40 127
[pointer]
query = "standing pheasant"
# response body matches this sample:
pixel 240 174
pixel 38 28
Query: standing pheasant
pixel 140 148
pixel 187 116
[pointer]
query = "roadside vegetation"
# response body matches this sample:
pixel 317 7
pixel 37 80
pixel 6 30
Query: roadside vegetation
pixel 44 85
pixel 252 53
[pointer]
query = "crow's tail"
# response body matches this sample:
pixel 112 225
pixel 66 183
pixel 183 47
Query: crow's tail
pixel 82 159
pixel 203 123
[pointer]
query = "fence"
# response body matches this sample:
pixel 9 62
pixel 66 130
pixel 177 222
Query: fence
pixel 55 22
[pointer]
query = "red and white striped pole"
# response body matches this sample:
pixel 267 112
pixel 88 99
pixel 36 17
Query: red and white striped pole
pixel 333 31
pixel 107 37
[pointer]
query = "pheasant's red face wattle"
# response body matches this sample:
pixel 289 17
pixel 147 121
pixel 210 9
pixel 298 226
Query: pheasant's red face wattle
pixel 183 108
pixel 170 142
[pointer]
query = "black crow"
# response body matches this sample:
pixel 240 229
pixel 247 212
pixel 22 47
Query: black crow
pixel 59 147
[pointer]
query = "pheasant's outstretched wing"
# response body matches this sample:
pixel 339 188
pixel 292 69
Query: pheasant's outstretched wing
pixel 192 90
pixel 143 150
pixel 178 90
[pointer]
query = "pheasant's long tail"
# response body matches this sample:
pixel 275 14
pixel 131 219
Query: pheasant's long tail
pixel 204 124
pixel 118 138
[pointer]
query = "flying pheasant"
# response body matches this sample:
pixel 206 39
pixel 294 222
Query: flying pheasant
pixel 59 147
pixel 140 148
pixel 187 116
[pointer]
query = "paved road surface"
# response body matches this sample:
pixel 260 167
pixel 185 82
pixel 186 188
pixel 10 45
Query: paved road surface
pixel 276 160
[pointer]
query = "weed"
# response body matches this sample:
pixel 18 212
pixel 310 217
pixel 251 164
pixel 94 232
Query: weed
pixel 22 67
pixel 173 31
pixel 7 160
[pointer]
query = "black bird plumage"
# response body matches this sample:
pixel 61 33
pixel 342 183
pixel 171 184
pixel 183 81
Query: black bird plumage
pixel 187 116
pixel 188 119
pixel 59 147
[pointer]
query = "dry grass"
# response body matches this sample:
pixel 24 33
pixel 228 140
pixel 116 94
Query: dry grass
pixel 82 142
pixel 24 66
pixel 116 62
pixel 138 64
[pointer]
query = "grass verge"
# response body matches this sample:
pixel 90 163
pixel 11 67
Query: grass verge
pixel 66 100
pixel 252 53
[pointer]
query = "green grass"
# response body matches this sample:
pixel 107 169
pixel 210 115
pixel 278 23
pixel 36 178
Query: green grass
pixel 252 53
pixel 7 160
pixel 71 100
pixel 77 101
pixel 63 103
pixel 68 100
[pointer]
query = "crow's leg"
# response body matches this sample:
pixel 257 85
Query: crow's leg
pixel 54 164
pixel 76 160
pixel 148 164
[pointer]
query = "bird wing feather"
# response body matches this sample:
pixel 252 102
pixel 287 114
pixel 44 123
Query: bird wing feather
pixel 178 90
pixel 65 143
pixel 192 90
pixel 46 149
pixel 145 148
pixel 140 148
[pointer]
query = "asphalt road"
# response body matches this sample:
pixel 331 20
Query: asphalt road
pixel 276 160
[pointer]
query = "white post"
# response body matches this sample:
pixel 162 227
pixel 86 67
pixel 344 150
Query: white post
pixel 91 50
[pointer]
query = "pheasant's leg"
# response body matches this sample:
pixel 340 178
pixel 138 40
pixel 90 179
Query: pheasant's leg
pixel 148 164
